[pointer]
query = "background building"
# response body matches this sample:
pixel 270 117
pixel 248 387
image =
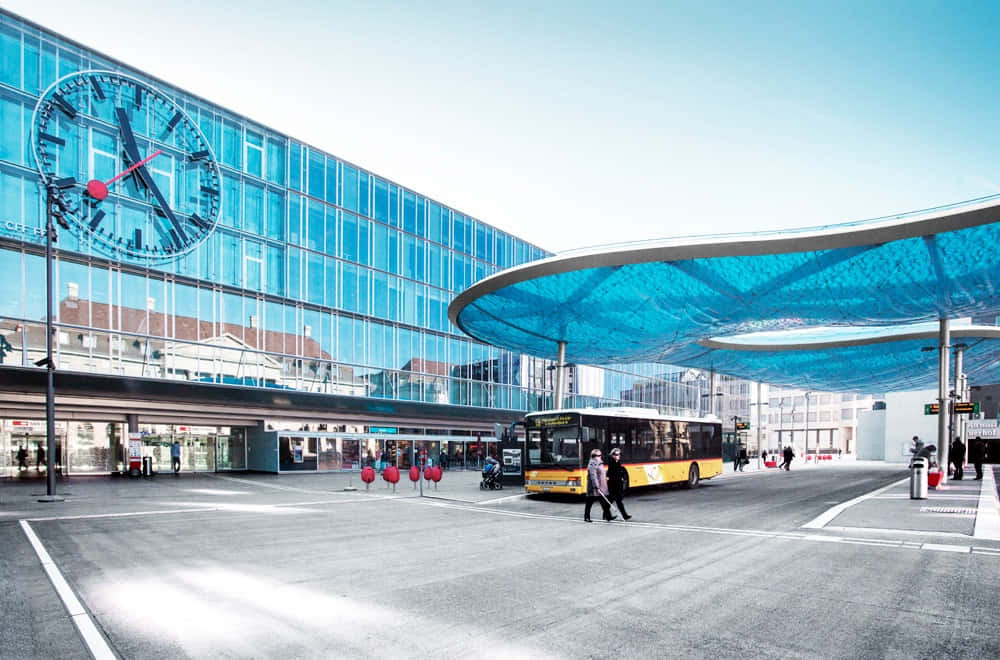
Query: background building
pixel 314 311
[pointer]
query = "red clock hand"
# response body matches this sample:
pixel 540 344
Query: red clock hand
pixel 99 189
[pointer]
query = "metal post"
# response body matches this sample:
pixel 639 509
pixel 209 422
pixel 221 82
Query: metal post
pixel 711 392
pixel 944 339
pixel 956 391
pixel 50 388
pixel 560 376
pixel 807 429
pixel 760 465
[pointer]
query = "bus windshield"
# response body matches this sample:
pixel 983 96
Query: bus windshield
pixel 556 446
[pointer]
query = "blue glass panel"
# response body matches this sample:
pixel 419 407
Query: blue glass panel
pixel 364 189
pixel 276 155
pixel 421 217
pixel 253 264
pixel 331 181
pixel 232 260
pixel 294 281
pixel 434 265
pixel 331 230
pixel 409 212
pixel 317 174
pixel 12 147
pixel 253 208
pixel 393 251
pixel 295 209
pixel 380 246
pixel 315 272
pixel 349 237
pixel 350 187
pixel 275 269
pixel 10 56
pixel 255 153
pixel 434 221
pixel 349 287
pixel 11 285
pixel 232 144
pixel 232 198
pixel 275 215
pixel 294 165
pixel 394 219
pixel 332 281
pixel 364 250
pixel 316 229
pixel 381 211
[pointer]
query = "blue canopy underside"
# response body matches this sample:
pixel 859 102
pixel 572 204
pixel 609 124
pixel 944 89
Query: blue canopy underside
pixel 657 311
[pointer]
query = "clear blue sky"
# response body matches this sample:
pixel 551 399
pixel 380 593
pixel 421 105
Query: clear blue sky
pixel 583 123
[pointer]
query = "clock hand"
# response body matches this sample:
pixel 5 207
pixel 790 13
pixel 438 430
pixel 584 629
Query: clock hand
pixel 99 189
pixel 132 149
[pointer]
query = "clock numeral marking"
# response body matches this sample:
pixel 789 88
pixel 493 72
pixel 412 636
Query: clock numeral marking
pixel 173 121
pixel 51 138
pixel 165 242
pixel 138 238
pixel 208 190
pixel 177 241
pixel 67 182
pixel 64 105
pixel 199 155
pixel 138 97
pixel 97 88
pixel 197 221
pixel 98 217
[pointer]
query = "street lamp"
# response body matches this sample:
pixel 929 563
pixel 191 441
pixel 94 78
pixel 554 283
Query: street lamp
pixel 52 210
pixel 807 430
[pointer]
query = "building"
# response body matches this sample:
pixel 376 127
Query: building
pixel 267 304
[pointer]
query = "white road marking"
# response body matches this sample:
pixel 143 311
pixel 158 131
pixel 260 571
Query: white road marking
pixel 946 548
pixel 92 638
pixel 504 499
pixel 821 520
pixel 988 516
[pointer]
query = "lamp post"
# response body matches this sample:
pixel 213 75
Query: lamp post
pixel 807 430
pixel 758 403
pixel 52 209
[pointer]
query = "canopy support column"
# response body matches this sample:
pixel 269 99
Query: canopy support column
pixel 944 339
pixel 560 377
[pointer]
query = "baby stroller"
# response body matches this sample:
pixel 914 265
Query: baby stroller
pixel 491 475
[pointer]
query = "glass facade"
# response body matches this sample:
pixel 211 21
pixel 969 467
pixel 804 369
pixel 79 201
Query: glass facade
pixel 319 276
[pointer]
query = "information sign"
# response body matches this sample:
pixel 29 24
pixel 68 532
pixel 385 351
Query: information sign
pixel 742 426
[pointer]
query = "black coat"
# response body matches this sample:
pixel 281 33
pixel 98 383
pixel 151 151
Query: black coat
pixel 616 477
pixel 957 452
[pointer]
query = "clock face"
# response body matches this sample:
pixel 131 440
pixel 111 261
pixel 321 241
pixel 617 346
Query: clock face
pixel 126 165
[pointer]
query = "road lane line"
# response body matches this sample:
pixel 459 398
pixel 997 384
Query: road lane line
pixel 988 513
pixel 820 521
pixel 95 642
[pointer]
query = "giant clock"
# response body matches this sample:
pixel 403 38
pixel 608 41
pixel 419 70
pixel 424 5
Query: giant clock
pixel 126 165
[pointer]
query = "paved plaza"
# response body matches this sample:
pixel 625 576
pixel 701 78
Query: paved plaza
pixel 820 562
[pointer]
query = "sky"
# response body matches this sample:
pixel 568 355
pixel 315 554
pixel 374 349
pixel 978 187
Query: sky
pixel 573 124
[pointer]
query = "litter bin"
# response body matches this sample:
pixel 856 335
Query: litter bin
pixel 918 479
pixel 147 470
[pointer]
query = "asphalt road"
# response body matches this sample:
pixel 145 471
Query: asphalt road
pixel 258 567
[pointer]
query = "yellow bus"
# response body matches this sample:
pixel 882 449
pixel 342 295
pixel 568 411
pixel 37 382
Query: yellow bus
pixel 656 449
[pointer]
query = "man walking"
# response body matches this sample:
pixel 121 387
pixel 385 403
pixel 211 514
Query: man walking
pixel 175 456
pixel 957 456
pixel 977 455
pixel 788 454
pixel 597 487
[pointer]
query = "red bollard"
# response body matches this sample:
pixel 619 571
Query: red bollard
pixel 436 475
pixel 428 473
pixel 391 474
pixel 414 475
pixel 368 475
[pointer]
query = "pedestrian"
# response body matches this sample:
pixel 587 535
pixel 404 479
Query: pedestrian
pixel 175 456
pixel 977 454
pixel 39 457
pixel 763 456
pixel 597 487
pixel 443 460
pixel 741 457
pixel 617 480
pixel 22 458
pixel 788 453
pixel 736 458
pixel 957 456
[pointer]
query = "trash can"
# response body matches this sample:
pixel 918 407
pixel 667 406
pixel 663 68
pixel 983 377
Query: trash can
pixel 918 479
pixel 147 470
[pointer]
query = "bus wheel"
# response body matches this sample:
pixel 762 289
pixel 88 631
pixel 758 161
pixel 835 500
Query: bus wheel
pixel 694 477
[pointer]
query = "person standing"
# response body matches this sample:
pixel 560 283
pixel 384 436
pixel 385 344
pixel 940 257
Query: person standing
pixel 741 457
pixel 597 487
pixel 977 455
pixel 788 453
pixel 617 479
pixel 763 456
pixel 957 455
pixel 22 458
pixel 175 456
pixel 39 457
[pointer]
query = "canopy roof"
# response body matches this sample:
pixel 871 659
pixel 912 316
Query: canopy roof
pixel 858 287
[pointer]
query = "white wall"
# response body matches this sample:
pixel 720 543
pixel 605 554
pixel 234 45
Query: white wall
pixel 905 418
pixel 871 435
